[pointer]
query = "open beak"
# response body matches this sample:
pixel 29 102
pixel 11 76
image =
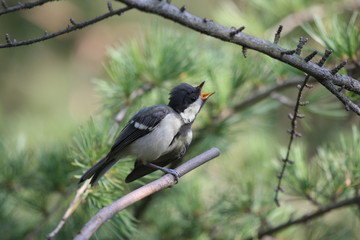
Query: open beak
pixel 205 96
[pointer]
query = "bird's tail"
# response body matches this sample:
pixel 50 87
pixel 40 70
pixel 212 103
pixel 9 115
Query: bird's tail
pixel 98 170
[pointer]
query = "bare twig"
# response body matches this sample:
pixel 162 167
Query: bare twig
pixel 324 57
pixel 310 56
pixel 20 6
pixel 244 52
pixel 338 67
pixel 307 217
pixel 282 99
pixel 70 28
pixel 236 31
pixel 349 105
pixel 183 9
pixel 210 28
pixel 278 34
pixel 74 204
pixel 164 182
pixel 331 87
pixel 313 200
pixel 300 45
pixel 259 96
pixel 109 5
pixel 4 4
pixel 293 134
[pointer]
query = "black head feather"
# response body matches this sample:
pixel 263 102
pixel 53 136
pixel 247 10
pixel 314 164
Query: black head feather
pixel 183 95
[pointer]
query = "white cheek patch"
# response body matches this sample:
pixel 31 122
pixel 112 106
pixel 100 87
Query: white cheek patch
pixel 191 111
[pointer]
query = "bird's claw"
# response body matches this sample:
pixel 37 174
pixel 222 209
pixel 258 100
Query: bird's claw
pixel 175 175
pixel 166 170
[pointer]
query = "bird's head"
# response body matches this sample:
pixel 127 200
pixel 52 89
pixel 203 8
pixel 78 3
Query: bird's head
pixel 187 100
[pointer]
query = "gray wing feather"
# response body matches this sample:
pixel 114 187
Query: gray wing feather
pixel 149 117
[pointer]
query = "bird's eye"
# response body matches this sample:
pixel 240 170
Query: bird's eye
pixel 193 98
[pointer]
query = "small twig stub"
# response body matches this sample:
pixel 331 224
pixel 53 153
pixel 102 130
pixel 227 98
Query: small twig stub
pixel 278 34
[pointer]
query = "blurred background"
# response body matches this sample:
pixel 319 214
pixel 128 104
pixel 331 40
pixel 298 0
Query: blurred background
pixel 59 98
pixel 53 80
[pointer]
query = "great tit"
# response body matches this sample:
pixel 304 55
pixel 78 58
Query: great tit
pixel 155 135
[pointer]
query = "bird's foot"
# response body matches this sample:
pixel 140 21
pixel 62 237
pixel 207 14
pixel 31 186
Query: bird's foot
pixel 172 172
pixel 166 170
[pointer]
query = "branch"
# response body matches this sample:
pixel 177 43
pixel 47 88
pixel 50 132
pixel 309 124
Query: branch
pixel 293 133
pixel 258 97
pixel 310 216
pixel 282 99
pixel 202 25
pixel 20 6
pixel 313 200
pixel 164 182
pixel 74 204
pixel 261 95
pixel 70 28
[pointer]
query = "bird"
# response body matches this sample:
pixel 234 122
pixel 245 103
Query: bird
pixel 155 136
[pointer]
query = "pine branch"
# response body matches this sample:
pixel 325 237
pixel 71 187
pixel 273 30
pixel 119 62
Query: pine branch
pixel 21 6
pixel 164 182
pixel 73 26
pixel 323 75
pixel 307 217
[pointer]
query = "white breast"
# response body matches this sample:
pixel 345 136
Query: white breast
pixel 182 142
pixel 190 112
pixel 156 143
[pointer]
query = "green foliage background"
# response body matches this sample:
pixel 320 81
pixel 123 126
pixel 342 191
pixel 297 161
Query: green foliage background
pixel 54 127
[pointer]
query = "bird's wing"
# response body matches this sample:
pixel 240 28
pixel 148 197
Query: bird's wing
pixel 142 123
